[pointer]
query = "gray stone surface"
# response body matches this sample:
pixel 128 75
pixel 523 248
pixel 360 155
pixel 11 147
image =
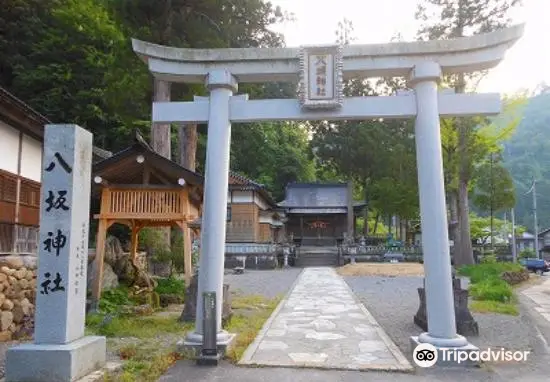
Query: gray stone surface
pixel 55 363
pixel 393 301
pixel 540 296
pixel 63 246
pixel 267 283
pixel 187 371
pixel 322 325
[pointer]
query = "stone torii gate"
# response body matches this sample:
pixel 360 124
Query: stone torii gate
pixel 321 71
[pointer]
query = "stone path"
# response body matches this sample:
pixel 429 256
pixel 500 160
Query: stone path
pixel 322 325
pixel 540 296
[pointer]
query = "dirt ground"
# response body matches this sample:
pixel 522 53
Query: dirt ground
pixel 382 269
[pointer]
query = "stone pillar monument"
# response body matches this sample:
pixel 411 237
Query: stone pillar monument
pixel 60 352
pixel 221 84
pixel 433 211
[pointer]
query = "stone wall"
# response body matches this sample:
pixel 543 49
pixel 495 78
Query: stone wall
pixel 17 296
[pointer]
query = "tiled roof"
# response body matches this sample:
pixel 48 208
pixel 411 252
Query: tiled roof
pixel 315 195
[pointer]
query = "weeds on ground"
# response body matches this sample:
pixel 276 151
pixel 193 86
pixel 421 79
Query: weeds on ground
pixel 494 307
pixel 132 326
pixel 146 344
pixel 250 314
pixel 490 293
pixel 170 285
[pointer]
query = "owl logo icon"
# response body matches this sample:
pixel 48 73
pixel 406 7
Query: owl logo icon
pixel 425 355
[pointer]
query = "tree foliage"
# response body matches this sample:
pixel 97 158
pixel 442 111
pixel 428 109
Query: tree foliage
pixel 449 19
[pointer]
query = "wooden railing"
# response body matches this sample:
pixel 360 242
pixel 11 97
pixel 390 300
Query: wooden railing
pixel 143 203
pixel 28 212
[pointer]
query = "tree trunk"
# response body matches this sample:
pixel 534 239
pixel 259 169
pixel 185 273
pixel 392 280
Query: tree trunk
pixel 454 223
pixel 492 233
pixel 161 143
pixel 187 137
pixel 465 254
pixel 376 224
pixel 160 136
pixel 366 211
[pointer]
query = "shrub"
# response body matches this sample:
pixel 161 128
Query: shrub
pixel 113 299
pixel 527 253
pixel 170 285
pixel 489 259
pixel 484 271
pixel 493 289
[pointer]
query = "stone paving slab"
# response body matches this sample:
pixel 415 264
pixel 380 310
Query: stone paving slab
pixel 321 324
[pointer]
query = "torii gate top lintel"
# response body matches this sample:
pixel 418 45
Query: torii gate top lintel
pixel 466 54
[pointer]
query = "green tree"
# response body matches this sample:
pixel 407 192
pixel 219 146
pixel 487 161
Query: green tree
pixel 494 189
pixel 527 157
pixel 448 19
pixel 72 64
pixel 272 153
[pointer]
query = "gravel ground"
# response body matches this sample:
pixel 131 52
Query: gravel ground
pixel 268 283
pixel 393 301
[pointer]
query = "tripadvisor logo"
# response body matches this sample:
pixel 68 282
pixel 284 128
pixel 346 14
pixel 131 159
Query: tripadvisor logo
pixel 426 355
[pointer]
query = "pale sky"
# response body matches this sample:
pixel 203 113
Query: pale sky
pixel 526 64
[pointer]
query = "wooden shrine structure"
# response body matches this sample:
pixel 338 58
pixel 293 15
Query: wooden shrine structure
pixel 140 188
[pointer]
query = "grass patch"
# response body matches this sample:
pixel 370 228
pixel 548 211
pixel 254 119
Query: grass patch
pixel 170 285
pixel 490 293
pixel 131 326
pixel 491 289
pixel 145 361
pixel 146 344
pixel 250 314
pixel 480 272
pixel 509 308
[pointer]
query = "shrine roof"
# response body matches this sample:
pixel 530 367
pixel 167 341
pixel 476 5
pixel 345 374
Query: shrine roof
pixel 19 115
pixel 308 198
pixel 123 167
pixel 238 182
pixel 315 195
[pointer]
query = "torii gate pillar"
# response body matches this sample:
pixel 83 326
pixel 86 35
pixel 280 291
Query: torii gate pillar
pixel 221 84
pixel 424 79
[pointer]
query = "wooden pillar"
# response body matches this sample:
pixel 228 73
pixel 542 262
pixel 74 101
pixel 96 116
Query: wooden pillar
pixel 98 263
pixel 301 227
pixel 134 243
pixel 187 254
pixel 350 215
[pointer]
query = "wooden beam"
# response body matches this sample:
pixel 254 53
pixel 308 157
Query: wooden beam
pixel 98 263
pixel 146 173
pixel 164 187
pixel 399 106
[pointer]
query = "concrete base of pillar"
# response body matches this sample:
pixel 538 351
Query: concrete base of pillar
pixel 55 363
pixel 447 356
pixel 192 343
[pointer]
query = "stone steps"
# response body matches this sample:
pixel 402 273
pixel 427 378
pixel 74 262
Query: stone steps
pixel 317 260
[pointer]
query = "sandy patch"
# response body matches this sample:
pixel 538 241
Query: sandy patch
pixel 382 269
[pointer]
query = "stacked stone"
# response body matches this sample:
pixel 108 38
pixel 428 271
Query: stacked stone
pixel 17 297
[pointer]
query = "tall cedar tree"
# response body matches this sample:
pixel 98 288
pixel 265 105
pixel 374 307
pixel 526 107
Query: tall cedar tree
pixel 448 19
